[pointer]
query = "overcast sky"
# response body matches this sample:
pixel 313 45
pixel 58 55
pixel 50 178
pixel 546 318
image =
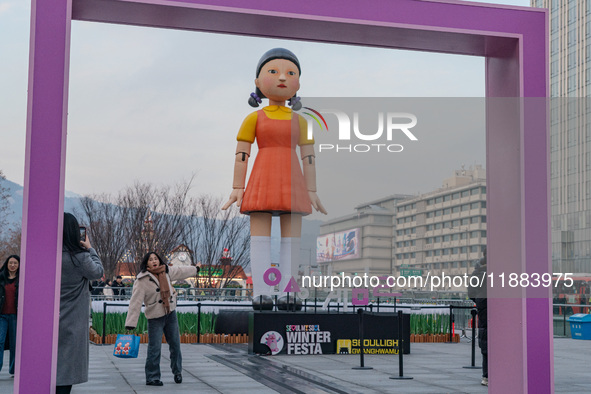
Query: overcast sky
pixel 160 105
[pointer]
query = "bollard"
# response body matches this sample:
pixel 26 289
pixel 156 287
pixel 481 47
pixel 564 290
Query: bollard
pixel 400 350
pixel 361 339
pixel 198 322
pixel 472 366
pixel 104 321
pixel 451 323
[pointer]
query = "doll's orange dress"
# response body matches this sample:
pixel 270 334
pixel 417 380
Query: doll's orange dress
pixel 276 184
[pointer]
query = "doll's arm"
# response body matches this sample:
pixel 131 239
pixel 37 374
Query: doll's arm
pixel 240 169
pixel 309 162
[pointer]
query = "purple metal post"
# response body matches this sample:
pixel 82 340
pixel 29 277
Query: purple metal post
pixel 43 197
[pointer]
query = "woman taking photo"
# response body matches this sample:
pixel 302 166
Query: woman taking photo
pixel 153 288
pixel 8 306
pixel 80 265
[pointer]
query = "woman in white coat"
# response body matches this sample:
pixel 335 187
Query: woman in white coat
pixel 153 288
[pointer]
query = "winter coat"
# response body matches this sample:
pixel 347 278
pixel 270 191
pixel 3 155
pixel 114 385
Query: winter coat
pixel 3 282
pixel 73 348
pixel 147 290
pixel 478 293
pixel 475 292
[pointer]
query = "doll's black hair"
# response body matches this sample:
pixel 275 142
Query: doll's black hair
pixel 272 54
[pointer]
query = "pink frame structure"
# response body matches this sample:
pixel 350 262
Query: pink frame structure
pixel 514 42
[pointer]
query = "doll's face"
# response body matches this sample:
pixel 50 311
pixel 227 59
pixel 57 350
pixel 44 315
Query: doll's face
pixel 279 80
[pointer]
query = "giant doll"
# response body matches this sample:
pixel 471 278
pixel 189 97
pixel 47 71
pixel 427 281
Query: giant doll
pixel 276 186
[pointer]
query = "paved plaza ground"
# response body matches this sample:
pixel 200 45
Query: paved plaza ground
pixel 435 367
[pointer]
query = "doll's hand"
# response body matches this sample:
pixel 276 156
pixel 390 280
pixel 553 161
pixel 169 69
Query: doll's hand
pixel 235 197
pixel 316 202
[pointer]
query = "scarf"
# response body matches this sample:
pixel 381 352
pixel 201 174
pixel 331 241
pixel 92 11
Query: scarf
pixel 160 274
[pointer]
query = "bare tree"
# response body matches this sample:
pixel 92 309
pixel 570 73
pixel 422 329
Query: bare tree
pixel 154 218
pixel 10 242
pixel 208 230
pixel 10 236
pixel 4 202
pixel 106 229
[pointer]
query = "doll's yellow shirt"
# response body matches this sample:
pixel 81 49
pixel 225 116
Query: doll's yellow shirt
pixel 248 128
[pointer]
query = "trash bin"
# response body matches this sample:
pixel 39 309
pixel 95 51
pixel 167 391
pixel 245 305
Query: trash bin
pixel 580 326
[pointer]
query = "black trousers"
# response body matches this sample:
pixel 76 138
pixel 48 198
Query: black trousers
pixel 483 344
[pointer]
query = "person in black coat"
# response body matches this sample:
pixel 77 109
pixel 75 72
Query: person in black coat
pixel 479 296
pixel 8 308
pixel 118 287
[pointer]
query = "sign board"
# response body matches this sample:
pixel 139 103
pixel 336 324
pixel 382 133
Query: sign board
pixel 411 272
pixel 325 333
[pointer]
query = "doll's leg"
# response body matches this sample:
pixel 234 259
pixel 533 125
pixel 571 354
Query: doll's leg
pixel 289 256
pixel 260 251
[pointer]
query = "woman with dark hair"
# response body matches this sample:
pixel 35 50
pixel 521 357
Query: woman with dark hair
pixel 276 186
pixel 8 306
pixel 80 265
pixel 153 288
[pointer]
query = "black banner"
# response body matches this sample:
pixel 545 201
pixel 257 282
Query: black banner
pixel 325 333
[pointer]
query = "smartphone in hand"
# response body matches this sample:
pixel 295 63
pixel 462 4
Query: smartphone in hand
pixel 82 233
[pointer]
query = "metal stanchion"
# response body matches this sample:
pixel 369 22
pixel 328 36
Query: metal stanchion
pixel 104 321
pixel 199 322
pixel 361 339
pixel 451 324
pixel 400 350
pixel 472 366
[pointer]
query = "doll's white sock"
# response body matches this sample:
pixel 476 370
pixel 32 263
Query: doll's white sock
pixel 289 260
pixel 260 261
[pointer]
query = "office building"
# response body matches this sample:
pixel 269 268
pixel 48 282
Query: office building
pixel 443 231
pixel 570 133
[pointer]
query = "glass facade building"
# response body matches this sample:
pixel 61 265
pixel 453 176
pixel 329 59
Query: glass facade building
pixel 570 133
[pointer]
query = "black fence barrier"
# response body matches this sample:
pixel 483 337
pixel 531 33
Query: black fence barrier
pixel 198 305
pixel 400 350
pixel 361 342
pixel 380 307
pixel 473 347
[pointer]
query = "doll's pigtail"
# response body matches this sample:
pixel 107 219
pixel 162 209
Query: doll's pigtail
pixel 295 103
pixel 254 100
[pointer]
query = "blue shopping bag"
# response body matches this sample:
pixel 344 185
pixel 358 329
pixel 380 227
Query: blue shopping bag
pixel 126 346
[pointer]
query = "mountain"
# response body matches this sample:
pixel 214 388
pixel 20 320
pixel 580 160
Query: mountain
pixel 15 199
pixel 310 228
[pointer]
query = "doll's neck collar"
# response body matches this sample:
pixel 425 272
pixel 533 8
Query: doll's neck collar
pixel 273 108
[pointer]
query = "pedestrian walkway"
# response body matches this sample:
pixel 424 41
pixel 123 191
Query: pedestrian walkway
pixel 435 368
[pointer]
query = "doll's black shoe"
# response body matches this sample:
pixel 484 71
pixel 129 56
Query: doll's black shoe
pixel 262 303
pixel 154 383
pixel 289 304
pixel 178 378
